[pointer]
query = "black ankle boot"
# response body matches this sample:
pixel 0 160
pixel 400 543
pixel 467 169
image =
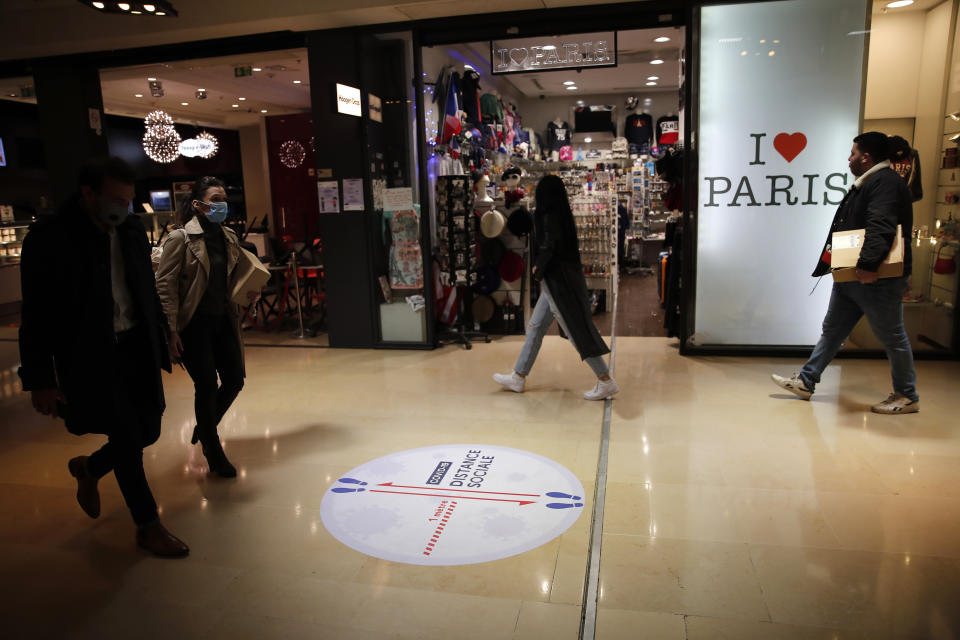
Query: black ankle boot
pixel 213 451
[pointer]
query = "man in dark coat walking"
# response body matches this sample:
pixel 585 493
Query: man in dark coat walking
pixel 93 339
pixel 878 201
pixel 563 294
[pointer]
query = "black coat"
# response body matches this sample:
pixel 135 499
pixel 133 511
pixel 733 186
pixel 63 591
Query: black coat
pixel 67 338
pixel 881 203
pixel 558 263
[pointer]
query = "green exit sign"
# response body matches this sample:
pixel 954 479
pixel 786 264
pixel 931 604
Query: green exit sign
pixel 244 70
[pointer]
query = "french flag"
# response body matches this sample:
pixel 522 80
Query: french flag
pixel 451 114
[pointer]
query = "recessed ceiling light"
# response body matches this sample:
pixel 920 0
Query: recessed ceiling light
pixel 296 82
pixel 662 39
pixel 161 13
pixel 258 69
pixel 151 79
pixel 763 42
pixel 651 84
pixel 571 88
pixel 743 53
pixel 776 42
pixel 138 95
pixel 149 7
pixel 588 140
pixel 469 66
pixel 201 89
pixel 656 61
pixel 653 77
pixel 899 3
pixel 263 110
pixel 241 98
pixel 236 106
pixel 569 83
pixel 580 103
pixel 772 53
pixel 123 6
pixel 137 13
pixel 184 104
pixel 98 5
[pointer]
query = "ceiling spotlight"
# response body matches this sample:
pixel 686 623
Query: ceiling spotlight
pixel 899 3
pixel 296 82
pixel 580 103
pixel 151 79
pixel 257 68
pixel 235 106
pixel 772 53
pixel 97 5
pixel 161 13
pixel 241 98
pixel 743 53
pixel 653 77
pixel 662 39
pixel 656 61
pixel 123 6
pixel 651 84
pixel 137 13
pixel 763 42
pixel 571 88
pixel 263 110
pixel 138 95
pixel 588 140
pixel 184 104
pixel 149 7
pixel 569 83
pixel 153 8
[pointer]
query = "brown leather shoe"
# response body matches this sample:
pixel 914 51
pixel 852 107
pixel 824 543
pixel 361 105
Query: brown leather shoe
pixel 157 540
pixel 87 495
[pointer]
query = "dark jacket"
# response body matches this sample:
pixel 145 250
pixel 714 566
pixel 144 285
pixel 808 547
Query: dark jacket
pixel 67 339
pixel 881 203
pixel 558 263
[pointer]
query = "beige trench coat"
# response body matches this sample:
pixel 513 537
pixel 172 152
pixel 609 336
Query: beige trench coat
pixel 183 272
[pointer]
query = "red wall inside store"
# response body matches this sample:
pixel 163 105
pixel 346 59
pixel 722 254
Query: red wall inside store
pixel 294 190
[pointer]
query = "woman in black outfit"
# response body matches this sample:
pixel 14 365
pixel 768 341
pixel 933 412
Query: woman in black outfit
pixel 563 293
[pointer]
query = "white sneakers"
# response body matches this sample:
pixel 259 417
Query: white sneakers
pixel 794 385
pixel 604 389
pixel 512 381
pixel 896 403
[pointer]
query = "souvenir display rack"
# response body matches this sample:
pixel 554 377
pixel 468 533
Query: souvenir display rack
pixel 595 213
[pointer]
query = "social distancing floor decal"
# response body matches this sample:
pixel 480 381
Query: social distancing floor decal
pixel 452 504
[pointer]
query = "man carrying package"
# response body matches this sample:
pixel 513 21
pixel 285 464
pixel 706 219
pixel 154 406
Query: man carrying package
pixel 877 203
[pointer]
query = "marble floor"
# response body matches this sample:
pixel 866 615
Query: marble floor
pixel 732 510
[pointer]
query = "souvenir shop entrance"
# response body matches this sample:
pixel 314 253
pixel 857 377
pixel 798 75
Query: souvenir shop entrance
pixel 604 110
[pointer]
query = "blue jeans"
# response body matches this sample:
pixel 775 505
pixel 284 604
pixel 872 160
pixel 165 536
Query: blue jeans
pixel 882 303
pixel 540 320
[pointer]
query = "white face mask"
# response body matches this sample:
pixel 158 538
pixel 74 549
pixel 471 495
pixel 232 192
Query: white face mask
pixel 112 214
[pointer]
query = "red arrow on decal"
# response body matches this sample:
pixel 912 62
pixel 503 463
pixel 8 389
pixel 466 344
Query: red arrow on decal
pixel 497 493
pixel 436 495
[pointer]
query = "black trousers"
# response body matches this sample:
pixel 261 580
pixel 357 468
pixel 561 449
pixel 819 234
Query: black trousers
pixel 211 350
pixel 129 427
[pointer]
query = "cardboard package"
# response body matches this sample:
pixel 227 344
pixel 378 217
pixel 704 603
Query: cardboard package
pixel 846 246
pixel 251 275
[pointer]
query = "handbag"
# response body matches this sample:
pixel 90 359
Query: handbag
pixel 944 266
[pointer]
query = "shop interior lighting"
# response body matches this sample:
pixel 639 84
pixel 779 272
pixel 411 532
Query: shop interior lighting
pixel 263 110
pixel 571 88
pixel 569 83
pixel 656 61
pixel 653 77
pixel 651 84
pixel 258 68
pixel 241 98
pixel 296 82
pixel 772 53
pixel 235 106
pixel 588 140
pixel 138 95
pixel 662 39
pixel 899 3
pixel 184 104
pixel 154 8
pixel 151 79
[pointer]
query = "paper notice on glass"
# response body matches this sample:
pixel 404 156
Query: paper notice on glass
pixel 328 194
pixel 398 199
pixel 353 194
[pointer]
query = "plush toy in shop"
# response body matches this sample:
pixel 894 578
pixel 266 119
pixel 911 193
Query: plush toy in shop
pixel 511 180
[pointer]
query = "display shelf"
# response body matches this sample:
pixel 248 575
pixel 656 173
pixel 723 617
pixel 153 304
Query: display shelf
pixel 11 241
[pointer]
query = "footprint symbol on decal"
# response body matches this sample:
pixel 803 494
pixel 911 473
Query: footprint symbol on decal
pixel 352 481
pixel 563 505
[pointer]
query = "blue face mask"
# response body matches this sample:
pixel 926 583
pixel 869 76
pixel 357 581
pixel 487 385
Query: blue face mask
pixel 218 211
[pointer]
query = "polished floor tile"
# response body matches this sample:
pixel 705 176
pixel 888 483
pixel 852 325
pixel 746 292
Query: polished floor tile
pixel 732 510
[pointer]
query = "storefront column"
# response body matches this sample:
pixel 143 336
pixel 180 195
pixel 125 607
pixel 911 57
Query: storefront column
pixel 340 139
pixel 70 109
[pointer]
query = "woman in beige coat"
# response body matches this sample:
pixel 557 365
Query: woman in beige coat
pixel 195 279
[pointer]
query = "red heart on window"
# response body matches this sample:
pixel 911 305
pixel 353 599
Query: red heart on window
pixel 790 145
